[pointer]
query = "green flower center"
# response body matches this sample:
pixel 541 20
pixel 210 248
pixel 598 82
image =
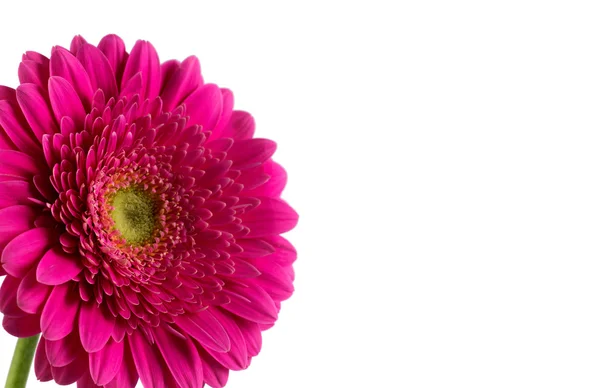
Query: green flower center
pixel 134 215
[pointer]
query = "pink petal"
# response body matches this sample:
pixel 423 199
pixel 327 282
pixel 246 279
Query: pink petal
pixel 167 69
pixel 251 153
pixel 15 220
pixel 127 376
pixel 237 357
pixel 76 44
pixel 69 374
pixel 215 374
pixel 18 163
pixel 205 328
pixel 240 126
pixel 285 253
pixel 181 356
pixel 22 327
pixel 36 57
pixel 86 381
pixel 272 216
pixel 95 326
pixel 133 86
pixel 106 362
pixel 144 58
pixel 274 280
pixel 113 48
pixel 5 142
pixel 17 129
pixel 252 336
pixel 250 302
pixel 31 295
pixel 64 351
pixel 204 106
pixel 147 362
pixel 34 104
pixel 182 83
pixel 99 69
pixel 274 186
pixel 34 72
pixel 22 252
pixel 42 368
pixel 64 64
pixel 58 316
pixel 58 267
pixel 8 297
pixel 227 111
pixel 254 248
pixel 65 101
pixel 16 193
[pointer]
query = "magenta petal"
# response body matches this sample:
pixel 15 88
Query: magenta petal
pixel 22 252
pixel 285 253
pixel 42 368
pixel 226 112
pixel 15 220
pixel 99 69
pixel 18 163
pixel 272 216
pixel 147 362
pixel 58 267
pixel 8 297
pixel 86 381
pixel 64 351
pixel 167 69
pixel 76 44
pixel 69 374
pixel 95 326
pixel 36 57
pixel 205 328
pixel 106 362
pixel 251 153
pixel 64 64
pixel 58 316
pixel 144 59
pixel 22 327
pixel 113 48
pixel 5 142
pixel 182 83
pixel 254 248
pixel 34 104
pixel 252 336
pixel 204 106
pixel 34 72
pixel 181 356
pixel 132 86
pixel 237 357
pixel 31 295
pixel 127 376
pixel 274 185
pixel 65 101
pixel 17 129
pixel 240 127
pixel 215 374
pixel 250 302
pixel 16 192
pixel 274 279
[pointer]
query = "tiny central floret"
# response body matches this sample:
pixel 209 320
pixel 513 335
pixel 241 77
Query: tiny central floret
pixel 134 215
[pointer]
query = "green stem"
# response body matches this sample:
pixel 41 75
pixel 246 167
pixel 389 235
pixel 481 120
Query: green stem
pixel 21 362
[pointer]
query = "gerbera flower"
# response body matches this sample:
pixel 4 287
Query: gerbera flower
pixel 139 220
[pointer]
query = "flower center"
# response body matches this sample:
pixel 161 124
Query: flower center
pixel 134 215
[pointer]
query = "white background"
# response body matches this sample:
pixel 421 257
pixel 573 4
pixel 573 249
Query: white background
pixel 443 156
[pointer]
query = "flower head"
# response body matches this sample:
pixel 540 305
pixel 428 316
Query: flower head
pixel 139 220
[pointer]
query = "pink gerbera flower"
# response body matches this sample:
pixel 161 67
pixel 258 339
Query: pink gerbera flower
pixel 139 220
